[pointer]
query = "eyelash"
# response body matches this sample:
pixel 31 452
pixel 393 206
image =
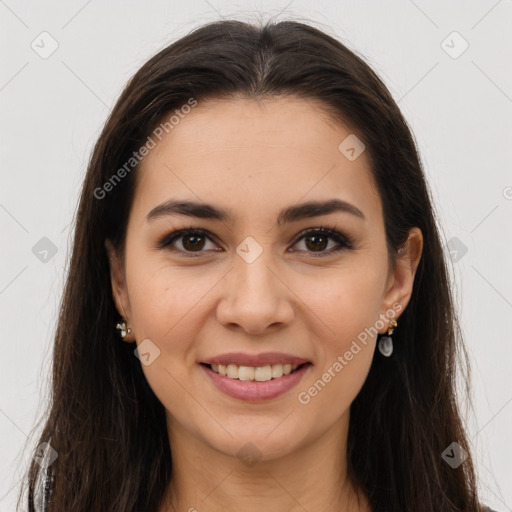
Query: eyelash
pixel 344 242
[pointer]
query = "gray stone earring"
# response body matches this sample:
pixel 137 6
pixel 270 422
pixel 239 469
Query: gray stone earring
pixel 124 329
pixel 386 343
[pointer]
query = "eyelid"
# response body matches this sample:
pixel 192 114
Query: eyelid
pixel 344 241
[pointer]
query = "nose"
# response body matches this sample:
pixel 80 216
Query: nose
pixel 256 297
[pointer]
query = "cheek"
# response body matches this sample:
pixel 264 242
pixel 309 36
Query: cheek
pixel 348 304
pixel 347 300
pixel 165 301
pixel 343 362
pixel 166 305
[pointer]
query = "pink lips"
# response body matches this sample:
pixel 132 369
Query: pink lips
pixel 264 359
pixel 254 391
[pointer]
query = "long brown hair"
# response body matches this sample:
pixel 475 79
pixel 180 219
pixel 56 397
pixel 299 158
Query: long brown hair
pixel 105 424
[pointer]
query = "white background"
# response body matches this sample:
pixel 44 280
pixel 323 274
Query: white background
pixel 460 110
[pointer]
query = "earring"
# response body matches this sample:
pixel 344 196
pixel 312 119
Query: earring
pixel 125 330
pixel 386 343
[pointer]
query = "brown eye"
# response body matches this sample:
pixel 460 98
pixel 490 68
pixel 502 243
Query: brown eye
pixel 191 241
pixel 317 241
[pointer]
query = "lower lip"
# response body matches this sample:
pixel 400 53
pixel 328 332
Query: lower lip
pixel 254 391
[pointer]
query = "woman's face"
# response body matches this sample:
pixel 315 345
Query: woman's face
pixel 258 280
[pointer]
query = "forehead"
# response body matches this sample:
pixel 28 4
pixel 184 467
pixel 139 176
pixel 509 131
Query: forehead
pixel 245 154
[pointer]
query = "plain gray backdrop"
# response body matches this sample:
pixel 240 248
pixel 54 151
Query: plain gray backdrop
pixel 63 66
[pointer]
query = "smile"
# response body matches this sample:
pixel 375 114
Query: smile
pixel 258 373
pixel 255 384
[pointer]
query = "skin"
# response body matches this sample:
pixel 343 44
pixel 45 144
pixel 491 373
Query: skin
pixel 254 158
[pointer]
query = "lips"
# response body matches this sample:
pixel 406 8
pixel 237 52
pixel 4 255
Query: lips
pixel 252 390
pixel 255 360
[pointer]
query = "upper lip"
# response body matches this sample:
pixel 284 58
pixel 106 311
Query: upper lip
pixel 263 359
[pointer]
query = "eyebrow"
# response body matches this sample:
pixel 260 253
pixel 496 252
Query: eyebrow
pixel 290 214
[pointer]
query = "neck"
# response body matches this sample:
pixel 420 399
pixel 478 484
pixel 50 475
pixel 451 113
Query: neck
pixel 313 477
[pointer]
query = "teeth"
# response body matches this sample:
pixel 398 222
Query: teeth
pixel 232 371
pixel 259 373
pixel 244 372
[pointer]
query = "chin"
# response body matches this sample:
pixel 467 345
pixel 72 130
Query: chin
pixel 265 441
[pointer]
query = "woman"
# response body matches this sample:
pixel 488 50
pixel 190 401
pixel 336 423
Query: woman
pixel 257 314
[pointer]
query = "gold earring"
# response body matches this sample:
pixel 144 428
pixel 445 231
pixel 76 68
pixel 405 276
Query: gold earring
pixel 386 343
pixel 125 330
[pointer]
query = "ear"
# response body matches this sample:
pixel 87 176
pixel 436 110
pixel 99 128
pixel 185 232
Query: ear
pixel 400 282
pixel 119 288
